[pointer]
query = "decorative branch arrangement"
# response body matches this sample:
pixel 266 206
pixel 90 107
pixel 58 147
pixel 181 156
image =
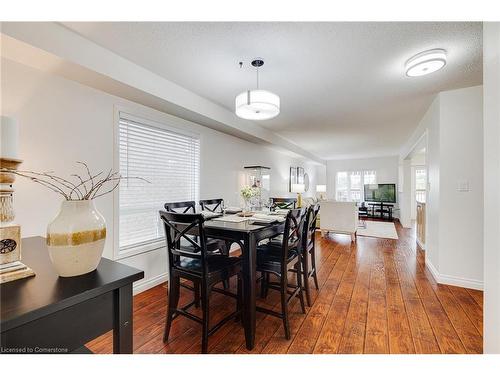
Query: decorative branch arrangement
pixel 84 188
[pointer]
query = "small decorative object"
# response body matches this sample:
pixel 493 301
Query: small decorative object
pixel 298 188
pixel 259 178
pixel 321 189
pixel 247 193
pixel 76 237
pixel 11 267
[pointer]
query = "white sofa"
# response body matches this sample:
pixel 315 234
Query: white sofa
pixel 339 217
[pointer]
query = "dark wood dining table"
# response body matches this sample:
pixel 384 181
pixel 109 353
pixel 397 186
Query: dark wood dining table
pixel 247 235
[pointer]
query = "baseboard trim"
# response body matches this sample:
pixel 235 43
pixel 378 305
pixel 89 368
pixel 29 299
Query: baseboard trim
pixel 143 285
pixel 453 280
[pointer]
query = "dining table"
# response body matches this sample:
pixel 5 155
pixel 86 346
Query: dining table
pixel 247 234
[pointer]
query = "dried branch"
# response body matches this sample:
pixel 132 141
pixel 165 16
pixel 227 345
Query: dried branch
pixel 82 184
pixel 62 181
pixel 85 189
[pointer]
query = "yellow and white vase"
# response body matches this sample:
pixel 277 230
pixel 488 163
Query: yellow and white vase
pixel 76 237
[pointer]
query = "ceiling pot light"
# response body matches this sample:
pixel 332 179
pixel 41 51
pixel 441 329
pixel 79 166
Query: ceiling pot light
pixel 426 62
pixel 257 104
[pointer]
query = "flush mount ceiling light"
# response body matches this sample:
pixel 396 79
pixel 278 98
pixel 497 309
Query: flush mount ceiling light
pixel 425 63
pixel 257 104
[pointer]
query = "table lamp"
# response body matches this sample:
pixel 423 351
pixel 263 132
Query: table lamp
pixel 321 189
pixel 11 267
pixel 298 188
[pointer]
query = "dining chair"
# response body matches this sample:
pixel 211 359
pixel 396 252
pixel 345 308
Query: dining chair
pixel 181 207
pixel 278 261
pixel 212 205
pixel 283 203
pixel 190 259
pixel 213 245
pixel 309 249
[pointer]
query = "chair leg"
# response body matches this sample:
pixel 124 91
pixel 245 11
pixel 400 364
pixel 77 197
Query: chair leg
pixel 305 268
pixel 298 266
pixel 205 291
pixel 284 306
pixel 196 287
pixel 173 301
pixel 313 266
pixel 264 285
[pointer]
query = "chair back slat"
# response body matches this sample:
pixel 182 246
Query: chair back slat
pixel 310 225
pixel 181 207
pixel 292 235
pixel 212 205
pixel 283 203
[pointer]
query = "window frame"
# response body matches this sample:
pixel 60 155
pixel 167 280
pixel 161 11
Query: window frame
pixel 156 119
pixel 420 168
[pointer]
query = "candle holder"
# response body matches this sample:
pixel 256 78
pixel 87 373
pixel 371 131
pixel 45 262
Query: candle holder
pixel 11 267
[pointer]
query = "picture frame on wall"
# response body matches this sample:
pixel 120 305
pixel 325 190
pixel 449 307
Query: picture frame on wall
pixel 296 177
pixel 293 178
pixel 300 175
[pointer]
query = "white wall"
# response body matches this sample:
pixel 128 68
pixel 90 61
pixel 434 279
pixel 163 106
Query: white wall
pixel 62 121
pixel 453 130
pixel 491 71
pixel 461 160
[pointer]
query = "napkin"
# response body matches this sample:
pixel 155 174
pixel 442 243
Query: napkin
pixel 210 214
pixel 267 218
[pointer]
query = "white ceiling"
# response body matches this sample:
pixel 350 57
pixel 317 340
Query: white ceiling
pixel 342 85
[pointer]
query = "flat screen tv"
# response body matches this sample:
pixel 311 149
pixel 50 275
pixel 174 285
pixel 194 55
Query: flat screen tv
pixel 385 193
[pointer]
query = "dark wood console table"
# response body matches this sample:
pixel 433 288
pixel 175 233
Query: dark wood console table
pixel 51 314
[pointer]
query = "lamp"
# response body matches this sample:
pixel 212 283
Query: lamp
pixel 298 188
pixel 321 189
pixel 11 267
pixel 257 104
pixel 425 62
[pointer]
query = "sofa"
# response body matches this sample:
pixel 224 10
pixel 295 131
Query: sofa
pixel 339 217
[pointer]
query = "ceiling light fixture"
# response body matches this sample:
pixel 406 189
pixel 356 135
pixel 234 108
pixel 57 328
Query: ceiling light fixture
pixel 426 62
pixel 257 104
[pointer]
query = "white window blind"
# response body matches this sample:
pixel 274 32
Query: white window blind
pixel 169 160
pixel 350 185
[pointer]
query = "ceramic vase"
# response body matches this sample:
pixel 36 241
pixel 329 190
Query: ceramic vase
pixel 76 237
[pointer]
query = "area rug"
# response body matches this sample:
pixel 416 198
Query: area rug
pixel 378 229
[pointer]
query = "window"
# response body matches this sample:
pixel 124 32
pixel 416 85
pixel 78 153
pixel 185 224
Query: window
pixel 420 184
pixel 355 186
pixel 169 160
pixel 342 186
pixel 350 185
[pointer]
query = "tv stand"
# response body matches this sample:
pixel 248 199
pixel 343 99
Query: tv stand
pixel 379 210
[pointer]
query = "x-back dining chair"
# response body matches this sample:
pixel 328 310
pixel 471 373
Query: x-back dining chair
pixel 309 249
pixel 212 205
pixel 181 207
pixel 283 203
pixel 189 258
pixel 213 245
pixel 279 260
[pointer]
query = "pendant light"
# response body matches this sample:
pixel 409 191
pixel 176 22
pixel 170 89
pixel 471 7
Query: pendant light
pixel 257 104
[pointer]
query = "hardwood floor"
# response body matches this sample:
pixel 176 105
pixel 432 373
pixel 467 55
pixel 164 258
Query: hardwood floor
pixel 376 296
